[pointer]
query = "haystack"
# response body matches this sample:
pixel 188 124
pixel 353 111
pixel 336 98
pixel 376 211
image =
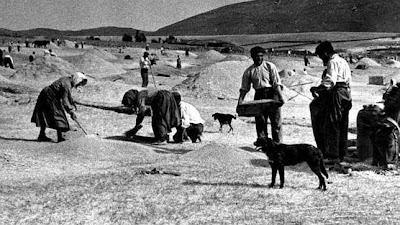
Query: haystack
pixel 102 54
pixel 211 55
pixel 96 66
pixel 44 68
pixel 107 92
pixel 236 58
pixel 223 80
pixel 69 44
pixel 214 153
pixel 97 152
pixel 368 62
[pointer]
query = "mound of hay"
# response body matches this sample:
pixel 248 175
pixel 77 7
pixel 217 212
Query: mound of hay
pixel 69 44
pixel 102 92
pixel 215 153
pixel 102 54
pixel 286 73
pixel 44 68
pixel 6 72
pixel 368 62
pixel 96 152
pixel 223 80
pixel 96 66
pixel 211 55
pixel 393 63
pixel 236 58
pixel 220 80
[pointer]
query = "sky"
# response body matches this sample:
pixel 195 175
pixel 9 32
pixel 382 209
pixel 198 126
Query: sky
pixel 147 15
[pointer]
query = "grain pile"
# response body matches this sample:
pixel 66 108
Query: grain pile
pixel 214 153
pixel 102 54
pixel 367 62
pixel 81 154
pixel 211 55
pixel 102 92
pixel 96 66
pixel 44 68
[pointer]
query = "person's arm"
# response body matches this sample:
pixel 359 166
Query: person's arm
pixel 277 85
pixel 68 101
pixel 331 75
pixel 245 86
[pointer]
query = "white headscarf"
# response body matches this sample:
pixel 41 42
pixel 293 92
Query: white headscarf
pixel 78 77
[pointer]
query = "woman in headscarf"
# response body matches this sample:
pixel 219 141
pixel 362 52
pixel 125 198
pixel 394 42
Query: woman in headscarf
pixel 52 103
pixel 165 111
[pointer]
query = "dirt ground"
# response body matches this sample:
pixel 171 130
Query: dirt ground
pixel 105 178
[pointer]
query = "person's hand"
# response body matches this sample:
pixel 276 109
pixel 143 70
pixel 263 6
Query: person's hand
pixel 73 116
pixel 314 92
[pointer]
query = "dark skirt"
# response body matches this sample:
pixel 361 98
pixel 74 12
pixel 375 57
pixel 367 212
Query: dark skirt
pixel 166 114
pixel 49 111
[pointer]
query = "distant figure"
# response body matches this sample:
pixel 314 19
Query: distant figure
pixel 147 47
pixel 52 53
pixel 178 62
pixel 186 52
pixel 305 71
pixel 1 57
pixel 18 47
pixel 162 50
pixel 46 52
pixel 144 68
pixel 32 57
pixel 82 44
pixel 8 61
pixel 9 47
pixel 306 61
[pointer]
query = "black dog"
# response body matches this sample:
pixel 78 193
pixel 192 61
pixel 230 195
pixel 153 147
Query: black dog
pixel 224 119
pixel 281 155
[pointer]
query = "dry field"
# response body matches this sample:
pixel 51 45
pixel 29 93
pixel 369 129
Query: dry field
pixel 105 178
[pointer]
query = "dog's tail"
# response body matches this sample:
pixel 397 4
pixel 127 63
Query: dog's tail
pixel 323 169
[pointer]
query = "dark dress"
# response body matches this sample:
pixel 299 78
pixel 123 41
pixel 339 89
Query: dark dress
pixel 52 103
pixel 165 111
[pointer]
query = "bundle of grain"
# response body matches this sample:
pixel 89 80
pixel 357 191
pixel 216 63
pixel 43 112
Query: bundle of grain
pixel 215 153
pixel 393 63
pixel 44 68
pixel 368 62
pixel 102 54
pixel 211 55
pixel 97 67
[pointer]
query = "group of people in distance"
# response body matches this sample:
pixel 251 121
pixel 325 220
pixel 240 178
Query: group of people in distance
pixel 329 109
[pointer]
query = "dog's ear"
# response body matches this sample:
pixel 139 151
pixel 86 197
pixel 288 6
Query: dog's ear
pixel 235 116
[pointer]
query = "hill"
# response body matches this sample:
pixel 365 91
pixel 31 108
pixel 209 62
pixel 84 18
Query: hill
pixel 290 16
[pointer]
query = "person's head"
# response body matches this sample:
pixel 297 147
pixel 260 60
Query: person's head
pixel 79 79
pixel 146 54
pixel 131 98
pixel 257 54
pixel 177 97
pixel 324 51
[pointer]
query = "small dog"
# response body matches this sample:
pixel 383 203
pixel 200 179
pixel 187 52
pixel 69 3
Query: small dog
pixel 281 155
pixel 224 119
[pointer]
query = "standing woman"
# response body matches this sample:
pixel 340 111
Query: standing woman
pixel 52 103
pixel 165 111
pixel 144 68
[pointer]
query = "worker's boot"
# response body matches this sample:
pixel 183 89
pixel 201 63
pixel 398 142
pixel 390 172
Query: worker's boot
pixel 60 137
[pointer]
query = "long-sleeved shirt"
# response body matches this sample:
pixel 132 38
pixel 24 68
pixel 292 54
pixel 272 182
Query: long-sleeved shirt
pixel 338 70
pixel 265 75
pixel 144 63
pixel 189 115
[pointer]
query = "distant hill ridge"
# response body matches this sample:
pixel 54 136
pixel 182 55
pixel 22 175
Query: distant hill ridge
pixel 266 17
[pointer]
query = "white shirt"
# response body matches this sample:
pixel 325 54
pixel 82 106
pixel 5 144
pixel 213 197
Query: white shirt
pixel 338 70
pixel 144 63
pixel 189 114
